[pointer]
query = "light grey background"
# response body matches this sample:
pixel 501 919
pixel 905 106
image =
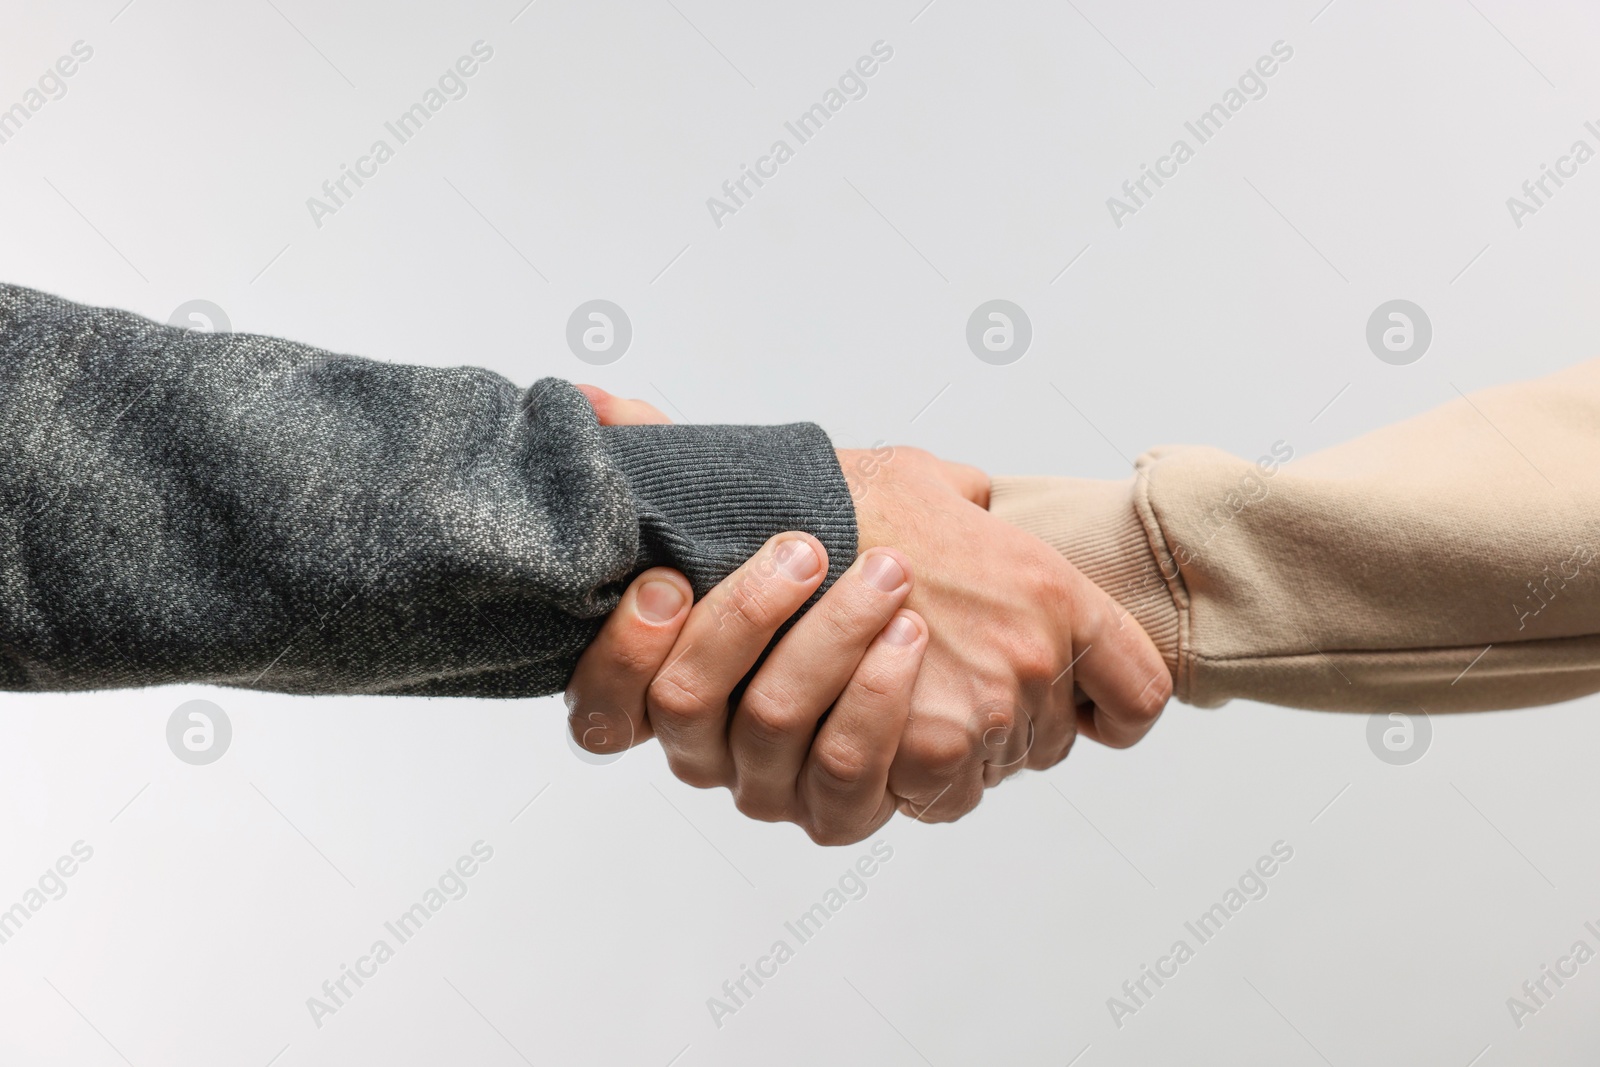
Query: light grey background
pixel 1230 311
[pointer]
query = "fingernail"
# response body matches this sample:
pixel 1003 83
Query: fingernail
pixel 797 560
pixel 902 631
pixel 884 572
pixel 659 601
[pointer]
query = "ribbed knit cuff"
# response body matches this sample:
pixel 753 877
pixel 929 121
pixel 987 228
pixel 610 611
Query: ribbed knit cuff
pixel 710 496
pixel 1096 525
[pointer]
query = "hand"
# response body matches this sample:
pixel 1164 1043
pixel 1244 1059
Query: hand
pixel 659 667
pixel 1015 631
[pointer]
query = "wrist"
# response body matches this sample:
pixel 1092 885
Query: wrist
pixel 1098 528
pixel 874 477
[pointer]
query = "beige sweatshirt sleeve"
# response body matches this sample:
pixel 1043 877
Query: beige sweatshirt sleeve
pixel 1449 563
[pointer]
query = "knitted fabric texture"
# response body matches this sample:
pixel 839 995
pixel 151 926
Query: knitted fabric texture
pixel 178 506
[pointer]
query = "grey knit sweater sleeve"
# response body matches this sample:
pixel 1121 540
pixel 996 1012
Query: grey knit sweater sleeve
pixel 242 510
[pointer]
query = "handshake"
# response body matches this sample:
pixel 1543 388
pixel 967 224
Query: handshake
pixel 955 651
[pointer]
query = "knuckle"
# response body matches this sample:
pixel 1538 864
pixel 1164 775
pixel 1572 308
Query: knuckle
pixel 839 765
pixel 754 603
pixel 693 774
pixel 939 750
pixel 1001 730
pixel 838 619
pixel 770 715
pixel 998 719
pixel 1052 576
pixel 1035 660
pixel 1091 611
pixel 954 804
pixel 673 702
pixel 878 679
pixel 729 607
pixel 633 659
pixel 760 805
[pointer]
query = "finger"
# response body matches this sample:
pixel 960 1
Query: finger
pixel 1011 738
pixel 938 772
pixel 606 696
pixel 1055 732
pixel 615 411
pixel 776 720
pixel 1119 669
pixel 969 481
pixel 1058 720
pixel 724 636
pixel 844 785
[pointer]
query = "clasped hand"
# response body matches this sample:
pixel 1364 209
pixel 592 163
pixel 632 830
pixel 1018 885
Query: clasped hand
pixel 955 651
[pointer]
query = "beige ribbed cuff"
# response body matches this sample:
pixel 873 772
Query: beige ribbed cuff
pixel 1096 525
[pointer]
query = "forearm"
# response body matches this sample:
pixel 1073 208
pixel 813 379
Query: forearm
pixel 1368 576
pixel 244 510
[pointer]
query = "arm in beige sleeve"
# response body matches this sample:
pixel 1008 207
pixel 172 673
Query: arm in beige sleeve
pixel 1450 562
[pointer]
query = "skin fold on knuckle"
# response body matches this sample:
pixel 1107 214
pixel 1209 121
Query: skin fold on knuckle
pixel 877 683
pixel 756 602
pixel 761 804
pixel 634 656
pixel 772 713
pixel 676 704
pixel 838 766
pixel 1037 661
pixel 1093 614
pixel 849 619
pixel 938 750
pixel 997 724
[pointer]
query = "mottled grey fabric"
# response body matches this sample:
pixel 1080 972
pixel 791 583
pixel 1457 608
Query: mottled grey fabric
pixel 242 510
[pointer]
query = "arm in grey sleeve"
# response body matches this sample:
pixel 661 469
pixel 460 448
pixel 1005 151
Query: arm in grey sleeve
pixel 242 510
